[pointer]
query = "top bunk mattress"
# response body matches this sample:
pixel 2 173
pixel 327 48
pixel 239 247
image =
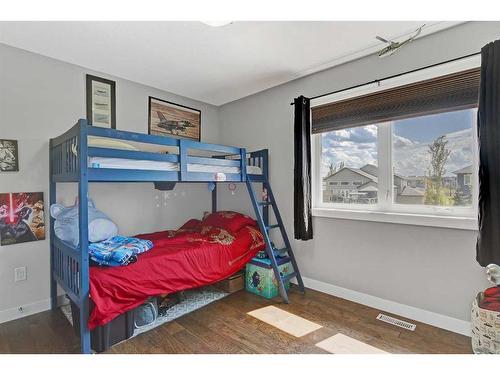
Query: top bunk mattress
pixel 150 165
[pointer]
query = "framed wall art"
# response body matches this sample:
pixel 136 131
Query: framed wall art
pixel 101 102
pixel 173 120
pixel 9 156
pixel 22 218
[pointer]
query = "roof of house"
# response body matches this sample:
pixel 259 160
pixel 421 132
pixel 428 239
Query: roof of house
pixel 362 171
pixel 409 191
pixel 464 170
pixel 373 170
pixel 364 187
pixel 368 188
pixel 355 170
pixel 415 178
pixel 365 174
pixel 370 169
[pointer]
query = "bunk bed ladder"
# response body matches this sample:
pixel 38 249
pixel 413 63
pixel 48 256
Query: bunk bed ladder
pixel 265 228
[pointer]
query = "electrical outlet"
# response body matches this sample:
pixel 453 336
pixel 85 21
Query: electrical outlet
pixel 19 274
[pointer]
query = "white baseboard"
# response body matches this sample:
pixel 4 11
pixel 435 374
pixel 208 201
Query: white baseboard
pixel 29 309
pixel 462 327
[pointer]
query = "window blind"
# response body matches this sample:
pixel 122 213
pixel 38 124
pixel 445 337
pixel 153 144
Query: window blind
pixel 446 93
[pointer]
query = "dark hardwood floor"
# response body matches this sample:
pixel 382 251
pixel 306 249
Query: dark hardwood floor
pixel 224 327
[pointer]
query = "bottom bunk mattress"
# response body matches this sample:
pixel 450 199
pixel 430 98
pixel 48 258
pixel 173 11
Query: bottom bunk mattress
pixel 193 256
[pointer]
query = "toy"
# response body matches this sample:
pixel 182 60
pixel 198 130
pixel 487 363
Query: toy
pixel 262 254
pixel 66 223
pixel 493 273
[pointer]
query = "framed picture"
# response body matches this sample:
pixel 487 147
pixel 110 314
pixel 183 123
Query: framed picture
pixel 173 120
pixel 22 218
pixel 101 102
pixel 9 161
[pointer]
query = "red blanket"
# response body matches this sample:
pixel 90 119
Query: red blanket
pixel 180 260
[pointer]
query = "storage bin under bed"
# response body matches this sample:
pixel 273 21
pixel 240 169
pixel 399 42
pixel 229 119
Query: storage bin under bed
pixel 103 337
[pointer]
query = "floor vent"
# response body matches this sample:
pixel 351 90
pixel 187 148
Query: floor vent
pixel 396 322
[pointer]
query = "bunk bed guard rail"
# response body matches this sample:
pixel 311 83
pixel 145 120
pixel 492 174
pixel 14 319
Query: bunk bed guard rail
pixel 67 151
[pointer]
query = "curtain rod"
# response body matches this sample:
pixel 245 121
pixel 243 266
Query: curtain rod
pixel 393 76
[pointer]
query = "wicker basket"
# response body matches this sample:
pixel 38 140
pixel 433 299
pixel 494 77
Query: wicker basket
pixel 485 329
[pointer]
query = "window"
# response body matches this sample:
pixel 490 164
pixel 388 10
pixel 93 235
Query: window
pixel 399 153
pixel 468 180
pixel 437 149
pixel 346 154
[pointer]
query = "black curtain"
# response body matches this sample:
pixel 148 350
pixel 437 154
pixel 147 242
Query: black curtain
pixel 488 130
pixel 302 170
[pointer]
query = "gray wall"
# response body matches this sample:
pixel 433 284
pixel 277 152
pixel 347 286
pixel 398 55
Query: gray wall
pixel 41 98
pixel 428 268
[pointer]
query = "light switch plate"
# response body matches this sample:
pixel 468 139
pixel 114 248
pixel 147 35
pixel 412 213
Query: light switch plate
pixel 19 274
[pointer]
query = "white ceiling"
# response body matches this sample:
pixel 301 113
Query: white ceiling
pixel 211 64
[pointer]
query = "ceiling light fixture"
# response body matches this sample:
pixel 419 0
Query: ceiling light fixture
pixel 217 23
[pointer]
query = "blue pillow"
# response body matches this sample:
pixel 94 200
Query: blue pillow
pixel 66 223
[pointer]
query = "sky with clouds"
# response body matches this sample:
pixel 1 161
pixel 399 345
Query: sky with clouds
pixel 358 146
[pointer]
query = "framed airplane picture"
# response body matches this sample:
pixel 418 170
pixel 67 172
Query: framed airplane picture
pixel 101 102
pixel 173 120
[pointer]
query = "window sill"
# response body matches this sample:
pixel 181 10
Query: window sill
pixel 427 220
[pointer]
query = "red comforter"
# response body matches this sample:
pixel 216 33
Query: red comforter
pixel 187 258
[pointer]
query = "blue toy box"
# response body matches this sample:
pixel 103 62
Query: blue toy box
pixel 260 279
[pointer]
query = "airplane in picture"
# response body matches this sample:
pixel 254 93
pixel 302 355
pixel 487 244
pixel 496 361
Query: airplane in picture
pixel 174 127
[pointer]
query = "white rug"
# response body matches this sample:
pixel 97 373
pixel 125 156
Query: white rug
pixel 194 299
pixel 285 321
pixel 342 344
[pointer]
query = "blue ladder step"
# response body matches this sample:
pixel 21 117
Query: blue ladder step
pixel 272 226
pixel 281 250
pixel 264 203
pixel 289 276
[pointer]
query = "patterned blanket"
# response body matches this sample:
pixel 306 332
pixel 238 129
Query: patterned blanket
pixel 118 250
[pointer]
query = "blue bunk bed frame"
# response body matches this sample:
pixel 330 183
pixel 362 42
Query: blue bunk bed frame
pixel 69 163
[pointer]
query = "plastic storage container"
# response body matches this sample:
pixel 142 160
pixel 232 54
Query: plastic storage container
pixel 260 279
pixel 103 337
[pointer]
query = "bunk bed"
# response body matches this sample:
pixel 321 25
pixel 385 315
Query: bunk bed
pixel 75 156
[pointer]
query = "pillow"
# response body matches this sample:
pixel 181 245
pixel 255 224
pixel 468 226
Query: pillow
pixel 111 143
pixel 191 224
pixel 229 220
pixel 66 223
